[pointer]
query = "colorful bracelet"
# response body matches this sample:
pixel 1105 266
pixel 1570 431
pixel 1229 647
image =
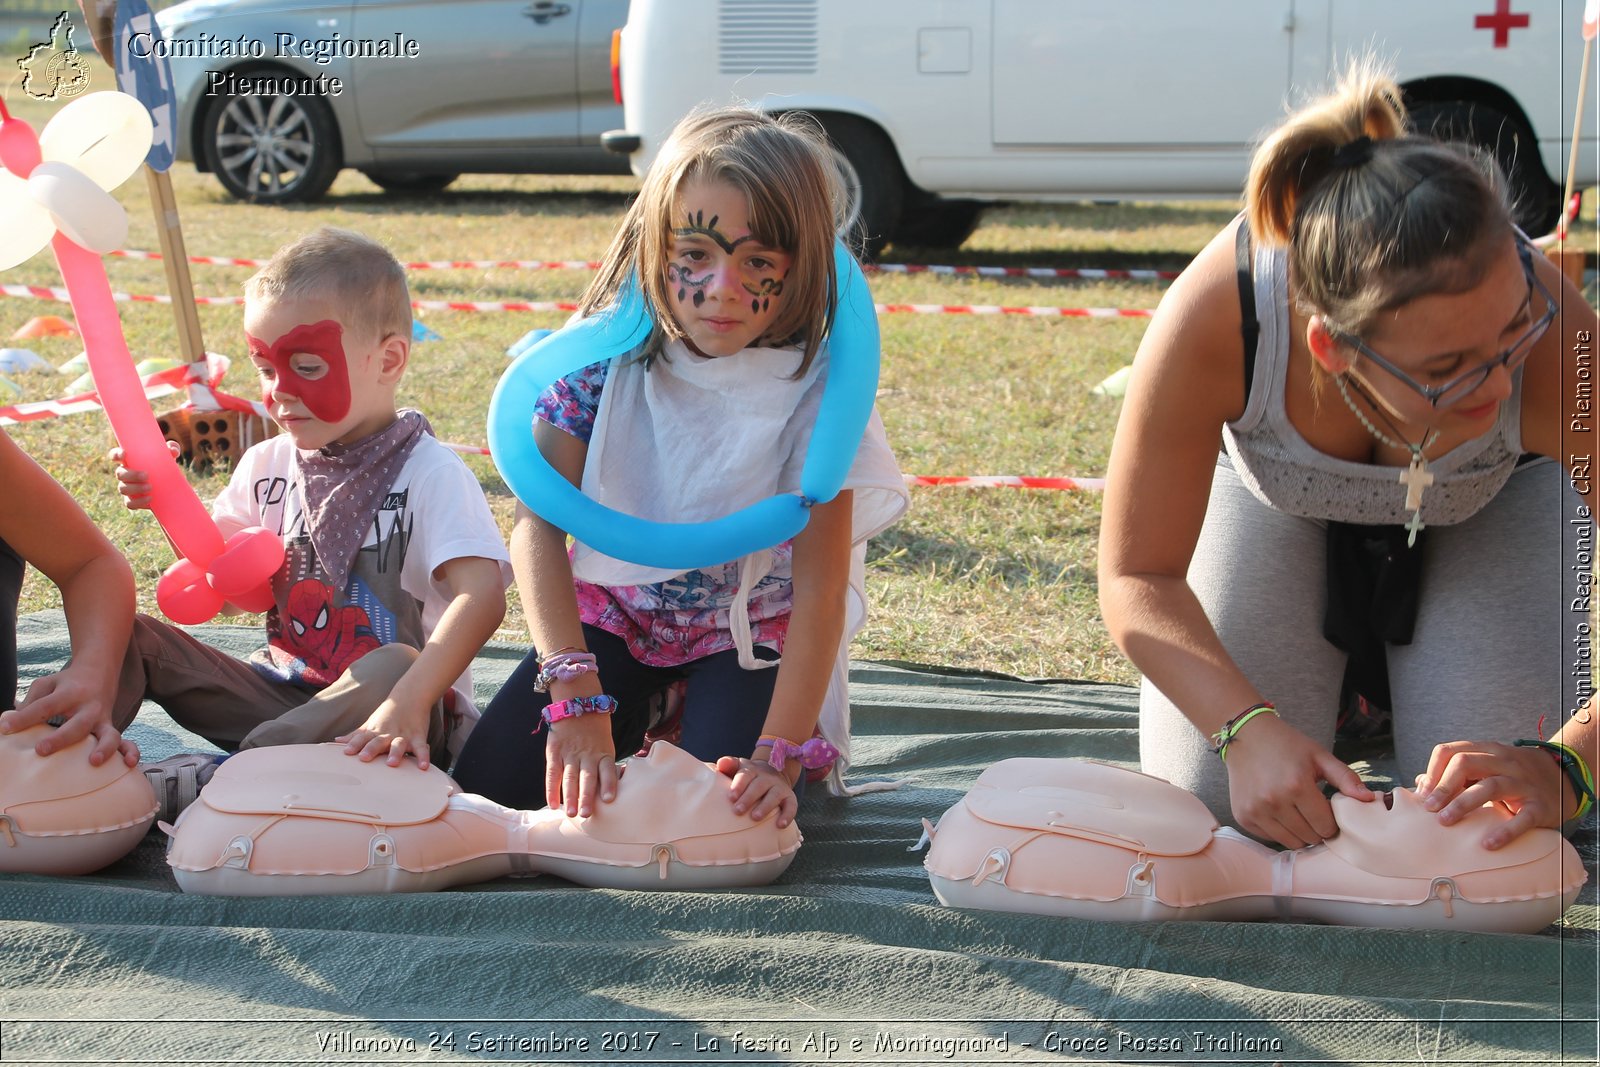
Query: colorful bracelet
pixel 1573 767
pixel 566 709
pixel 817 752
pixel 1230 729
pixel 564 666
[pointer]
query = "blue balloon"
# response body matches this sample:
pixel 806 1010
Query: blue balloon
pixel 527 341
pixel 847 399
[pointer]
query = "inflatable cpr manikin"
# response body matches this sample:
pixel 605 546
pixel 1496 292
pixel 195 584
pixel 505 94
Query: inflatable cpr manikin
pixel 61 815
pixel 1091 840
pixel 309 819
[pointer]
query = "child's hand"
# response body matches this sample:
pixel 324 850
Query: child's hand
pixel 580 764
pixel 761 789
pixel 87 709
pixel 389 730
pixel 135 485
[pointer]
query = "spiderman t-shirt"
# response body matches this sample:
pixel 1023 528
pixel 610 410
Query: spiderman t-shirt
pixel 434 512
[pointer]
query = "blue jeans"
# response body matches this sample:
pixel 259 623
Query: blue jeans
pixel 724 709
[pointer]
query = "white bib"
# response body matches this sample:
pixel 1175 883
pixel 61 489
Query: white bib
pixel 693 439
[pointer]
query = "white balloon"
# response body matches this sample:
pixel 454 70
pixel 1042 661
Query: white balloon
pixel 104 135
pixel 85 214
pixel 24 229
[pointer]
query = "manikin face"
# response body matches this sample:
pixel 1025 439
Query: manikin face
pixel 319 382
pixel 725 287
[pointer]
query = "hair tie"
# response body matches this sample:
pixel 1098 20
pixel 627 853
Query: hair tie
pixel 1353 154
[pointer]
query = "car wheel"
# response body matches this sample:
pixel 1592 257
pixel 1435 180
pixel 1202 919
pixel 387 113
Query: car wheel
pixel 1535 199
pixel 938 223
pixel 272 149
pixel 397 181
pixel 874 183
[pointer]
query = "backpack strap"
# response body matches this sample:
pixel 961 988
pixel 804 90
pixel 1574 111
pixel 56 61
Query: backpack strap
pixel 1249 324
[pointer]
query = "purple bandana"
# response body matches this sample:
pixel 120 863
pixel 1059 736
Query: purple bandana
pixel 342 488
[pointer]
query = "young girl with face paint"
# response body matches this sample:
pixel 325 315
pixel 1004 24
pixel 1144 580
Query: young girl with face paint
pixel 395 572
pixel 731 239
pixel 1380 353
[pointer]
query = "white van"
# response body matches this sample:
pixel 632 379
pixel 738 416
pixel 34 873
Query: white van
pixel 942 105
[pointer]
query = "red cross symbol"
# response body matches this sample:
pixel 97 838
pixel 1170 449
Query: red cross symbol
pixel 1502 22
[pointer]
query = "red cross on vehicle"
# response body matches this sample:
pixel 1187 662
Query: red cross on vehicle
pixel 1502 22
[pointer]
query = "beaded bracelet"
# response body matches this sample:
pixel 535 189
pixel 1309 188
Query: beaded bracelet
pixel 566 709
pixel 1230 729
pixel 817 752
pixel 1573 767
pixel 564 666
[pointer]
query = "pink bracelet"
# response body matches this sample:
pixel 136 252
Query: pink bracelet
pixel 566 709
pixel 564 666
pixel 817 752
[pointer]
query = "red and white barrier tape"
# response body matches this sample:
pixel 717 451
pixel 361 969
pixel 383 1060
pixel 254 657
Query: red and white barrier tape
pixel 998 309
pixel 45 292
pixel 1001 481
pixel 39 292
pixel 170 381
pixel 157 385
pixel 1090 273
pixel 436 264
pixel 976 481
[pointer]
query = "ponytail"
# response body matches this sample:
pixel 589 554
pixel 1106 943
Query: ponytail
pixel 1373 216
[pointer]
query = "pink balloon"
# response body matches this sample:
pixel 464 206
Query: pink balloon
pixel 184 595
pixel 258 601
pixel 94 144
pixel 248 555
pixel 19 145
pixel 172 498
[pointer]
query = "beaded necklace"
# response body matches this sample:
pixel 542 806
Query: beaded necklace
pixel 1416 477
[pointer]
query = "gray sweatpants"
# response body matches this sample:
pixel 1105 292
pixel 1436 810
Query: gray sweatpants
pixel 1491 653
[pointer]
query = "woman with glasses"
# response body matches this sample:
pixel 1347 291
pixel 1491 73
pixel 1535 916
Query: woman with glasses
pixel 1380 354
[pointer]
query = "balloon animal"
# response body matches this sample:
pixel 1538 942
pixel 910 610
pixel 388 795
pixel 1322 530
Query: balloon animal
pixel 847 399
pixel 54 190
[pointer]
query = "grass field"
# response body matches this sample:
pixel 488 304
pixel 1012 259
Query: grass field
pixel 993 578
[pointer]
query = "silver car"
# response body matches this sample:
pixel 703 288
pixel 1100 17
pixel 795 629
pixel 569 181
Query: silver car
pixel 276 96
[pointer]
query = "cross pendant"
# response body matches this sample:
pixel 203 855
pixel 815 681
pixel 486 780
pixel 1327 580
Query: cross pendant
pixel 1413 525
pixel 1415 478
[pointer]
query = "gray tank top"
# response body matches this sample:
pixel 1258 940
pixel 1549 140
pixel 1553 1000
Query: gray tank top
pixel 1285 472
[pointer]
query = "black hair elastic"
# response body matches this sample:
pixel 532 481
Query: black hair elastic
pixel 1353 154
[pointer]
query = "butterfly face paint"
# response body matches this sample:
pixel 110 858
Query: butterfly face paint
pixel 308 363
pixel 724 284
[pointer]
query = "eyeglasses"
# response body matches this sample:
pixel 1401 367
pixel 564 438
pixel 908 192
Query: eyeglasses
pixel 1442 396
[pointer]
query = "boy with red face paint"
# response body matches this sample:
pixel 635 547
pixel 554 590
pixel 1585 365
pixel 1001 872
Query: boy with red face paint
pixel 395 572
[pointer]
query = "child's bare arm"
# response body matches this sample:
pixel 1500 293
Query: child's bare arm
pixel 477 606
pixel 42 522
pixel 821 576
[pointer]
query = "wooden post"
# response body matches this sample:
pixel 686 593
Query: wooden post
pixel 1577 128
pixel 175 258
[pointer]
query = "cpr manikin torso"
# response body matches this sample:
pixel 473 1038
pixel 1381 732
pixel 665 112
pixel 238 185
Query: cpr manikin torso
pixel 59 814
pixel 309 819
pixel 1091 840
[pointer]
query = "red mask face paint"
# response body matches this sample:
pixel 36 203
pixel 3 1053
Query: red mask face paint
pixel 325 390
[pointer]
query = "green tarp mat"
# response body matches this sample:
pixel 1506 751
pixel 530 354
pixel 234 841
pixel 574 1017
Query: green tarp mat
pixel 848 958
